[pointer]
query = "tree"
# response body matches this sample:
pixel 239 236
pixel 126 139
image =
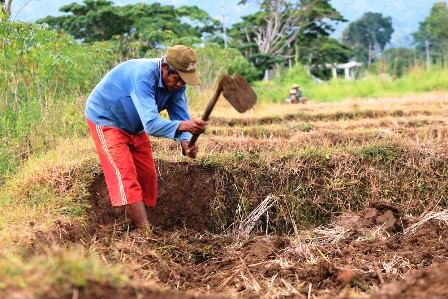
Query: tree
pixel 97 20
pixel 276 32
pixel 94 20
pixel 368 36
pixel 6 6
pixel 325 50
pixel 432 35
pixel 399 60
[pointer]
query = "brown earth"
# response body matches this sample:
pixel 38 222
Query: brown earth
pixel 378 252
pixel 375 253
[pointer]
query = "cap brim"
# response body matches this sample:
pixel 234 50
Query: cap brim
pixel 190 78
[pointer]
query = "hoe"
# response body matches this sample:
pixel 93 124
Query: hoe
pixel 236 91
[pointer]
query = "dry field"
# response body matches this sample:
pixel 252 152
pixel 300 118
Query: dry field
pixel 331 200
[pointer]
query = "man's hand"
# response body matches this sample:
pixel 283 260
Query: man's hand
pixel 194 126
pixel 189 151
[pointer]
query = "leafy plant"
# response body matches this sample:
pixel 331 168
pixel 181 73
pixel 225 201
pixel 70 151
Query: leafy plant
pixel 47 73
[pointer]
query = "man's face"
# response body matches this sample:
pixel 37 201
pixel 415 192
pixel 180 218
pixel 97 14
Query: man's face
pixel 172 82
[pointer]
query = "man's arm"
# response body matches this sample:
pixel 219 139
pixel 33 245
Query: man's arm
pixel 178 110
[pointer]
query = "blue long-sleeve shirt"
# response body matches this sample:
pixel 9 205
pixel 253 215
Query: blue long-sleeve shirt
pixel 131 96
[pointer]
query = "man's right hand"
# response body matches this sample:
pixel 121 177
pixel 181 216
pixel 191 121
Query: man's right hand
pixel 194 126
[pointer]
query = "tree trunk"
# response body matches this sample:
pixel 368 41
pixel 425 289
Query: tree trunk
pixel 428 64
pixel 8 7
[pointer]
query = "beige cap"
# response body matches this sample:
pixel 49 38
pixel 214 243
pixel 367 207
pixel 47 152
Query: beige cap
pixel 295 85
pixel 184 60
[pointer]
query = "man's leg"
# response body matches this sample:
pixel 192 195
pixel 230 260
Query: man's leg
pixel 137 213
pixel 113 147
pixel 146 169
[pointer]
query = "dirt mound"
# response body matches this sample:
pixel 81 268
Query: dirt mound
pixel 360 253
pixel 426 283
pixel 383 216
pixel 184 195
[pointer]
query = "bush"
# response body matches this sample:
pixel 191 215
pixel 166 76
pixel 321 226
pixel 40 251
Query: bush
pixel 47 72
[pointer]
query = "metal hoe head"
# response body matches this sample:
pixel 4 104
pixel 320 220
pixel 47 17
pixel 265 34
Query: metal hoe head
pixel 238 92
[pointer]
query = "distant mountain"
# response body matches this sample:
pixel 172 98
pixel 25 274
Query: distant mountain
pixel 406 14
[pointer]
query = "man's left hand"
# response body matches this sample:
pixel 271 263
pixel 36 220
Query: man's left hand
pixel 189 151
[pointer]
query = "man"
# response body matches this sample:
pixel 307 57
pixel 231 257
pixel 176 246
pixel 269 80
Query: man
pixel 293 96
pixel 123 110
pixel 296 94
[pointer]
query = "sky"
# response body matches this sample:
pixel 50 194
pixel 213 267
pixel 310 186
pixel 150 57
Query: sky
pixel 406 14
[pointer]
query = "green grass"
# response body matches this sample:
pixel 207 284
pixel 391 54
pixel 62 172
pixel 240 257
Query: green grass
pixel 59 271
pixel 277 89
pixel 416 80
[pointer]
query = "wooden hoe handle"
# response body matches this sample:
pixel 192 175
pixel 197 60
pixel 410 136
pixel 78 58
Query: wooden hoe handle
pixel 207 112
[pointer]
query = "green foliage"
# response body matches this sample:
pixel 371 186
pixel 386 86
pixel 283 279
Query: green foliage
pixel 99 20
pixel 399 61
pixel 213 60
pixel 204 24
pixel 278 88
pixel 368 36
pixel 96 20
pixel 324 50
pixel 137 30
pixel 377 86
pixel 434 30
pixel 3 16
pixel 47 72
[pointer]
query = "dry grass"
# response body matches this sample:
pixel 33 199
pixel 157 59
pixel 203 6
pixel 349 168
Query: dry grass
pixel 47 189
pixel 334 165
pixel 441 216
pixel 432 102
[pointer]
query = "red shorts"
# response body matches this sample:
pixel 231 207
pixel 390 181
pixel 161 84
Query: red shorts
pixel 128 165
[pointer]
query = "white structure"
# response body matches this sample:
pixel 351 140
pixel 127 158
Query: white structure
pixel 349 69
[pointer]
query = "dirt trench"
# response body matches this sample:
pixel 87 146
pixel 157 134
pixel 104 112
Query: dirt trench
pixel 368 254
pixel 183 202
